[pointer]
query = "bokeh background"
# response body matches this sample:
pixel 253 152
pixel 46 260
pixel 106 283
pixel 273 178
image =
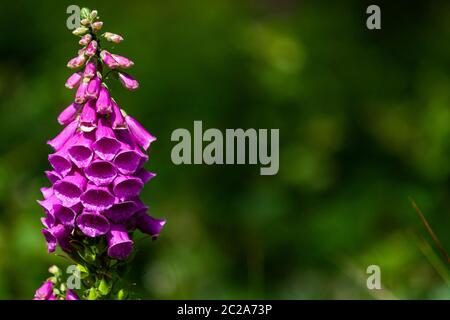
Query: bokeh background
pixel 364 124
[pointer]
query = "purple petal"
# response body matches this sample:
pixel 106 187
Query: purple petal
pixel 65 215
pixel 91 48
pixel 92 224
pixel 71 295
pixel 47 192
pixel 117 120
pixel 127 187
pixel 108 59
pixel 59 141
pixel 69 114
pixel 69 189
pixel 80 152
pixel 89 70
pixel 80 95
pixel 48 203
pixel 149 225
pixel 93 88
pixel 101 172
pixel 73 80
pixel 128 161
pixel 60 162
pixel 128 81
pixel 144 175
pixel 88 117
pixel 123 61
pixel 45 291
pixel 121 211
pixel 140 135
pixel 53 176
pixel 119 243
pixel 103 104
pixel 106 145
pixel 57 235
pixel 85 39
pixel 97 198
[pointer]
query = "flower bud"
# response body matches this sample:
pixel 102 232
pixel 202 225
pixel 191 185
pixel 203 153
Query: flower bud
pixel 113 37
pixel 85 39
pixel 93 14
pixel 73 80
pixel 89 70
pixel 97 25
pixel 85 22
pixel 91 48
pixel 108 59
pixel 122 61
pixel 128 81
pixel 104 101
pixel 77 62
pixel 80 31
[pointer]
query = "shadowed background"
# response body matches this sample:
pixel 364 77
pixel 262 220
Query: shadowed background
pixel 364 124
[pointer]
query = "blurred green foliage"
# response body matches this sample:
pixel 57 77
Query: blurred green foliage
pixel 364 123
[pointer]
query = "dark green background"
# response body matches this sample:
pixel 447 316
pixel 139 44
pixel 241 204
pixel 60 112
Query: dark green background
pixel 364 124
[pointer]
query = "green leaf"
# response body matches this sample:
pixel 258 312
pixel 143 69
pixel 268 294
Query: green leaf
pixel 85 13
pixel 93 295
pixel 121 295
pixel 104 287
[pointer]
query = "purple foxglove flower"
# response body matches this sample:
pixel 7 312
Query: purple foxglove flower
pixel 89 70
pixel 80 96
pixel 74 80
pixel 149 225
pixel 104 101
pixel 128 81
pixel 122 211
pixel 57 235
pixel 123 61
pixel 80 151
pixel 108 59
pixel 106 145
pixel 93 88
pixel 92 224
pixel 70 189
pixel 125 187
pixel 119 243
pixel 48 221
pixel 64 215
pixel 53 176
pixel 144 175
pixel 113 37
pixel 48 203
pixel 88 117
pixel 85 39
pixel 117 120
pixel 45 292
pixel 140 135
pixel 97 198
pixel 77 62
pixel 60 162
pixel 67 133
pixel 128 161
pixel 69 114
pixel 101 172
pixel 47 192
pixel 71 295
pixel 91 48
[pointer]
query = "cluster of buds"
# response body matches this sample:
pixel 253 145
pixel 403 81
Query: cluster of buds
pixel 54 288
pixel 97 166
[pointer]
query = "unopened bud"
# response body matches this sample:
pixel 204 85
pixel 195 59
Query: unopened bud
pixel 80 31
pixel 97 25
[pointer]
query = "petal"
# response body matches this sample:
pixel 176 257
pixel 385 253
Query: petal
pixel 144 175
pixel 101 172
pixel 65 215
pixel 149 225
pixel 128 161
pixel 127 187
pixel 69 189
pixel 119 243
pixel 106 145
pixel 140 135
pixel 92 224
pixel 60 162
pixel 69 114
pixel 59 141
pixel 80 152
pixel 97 198
pixel 88 117
pixel 121 211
